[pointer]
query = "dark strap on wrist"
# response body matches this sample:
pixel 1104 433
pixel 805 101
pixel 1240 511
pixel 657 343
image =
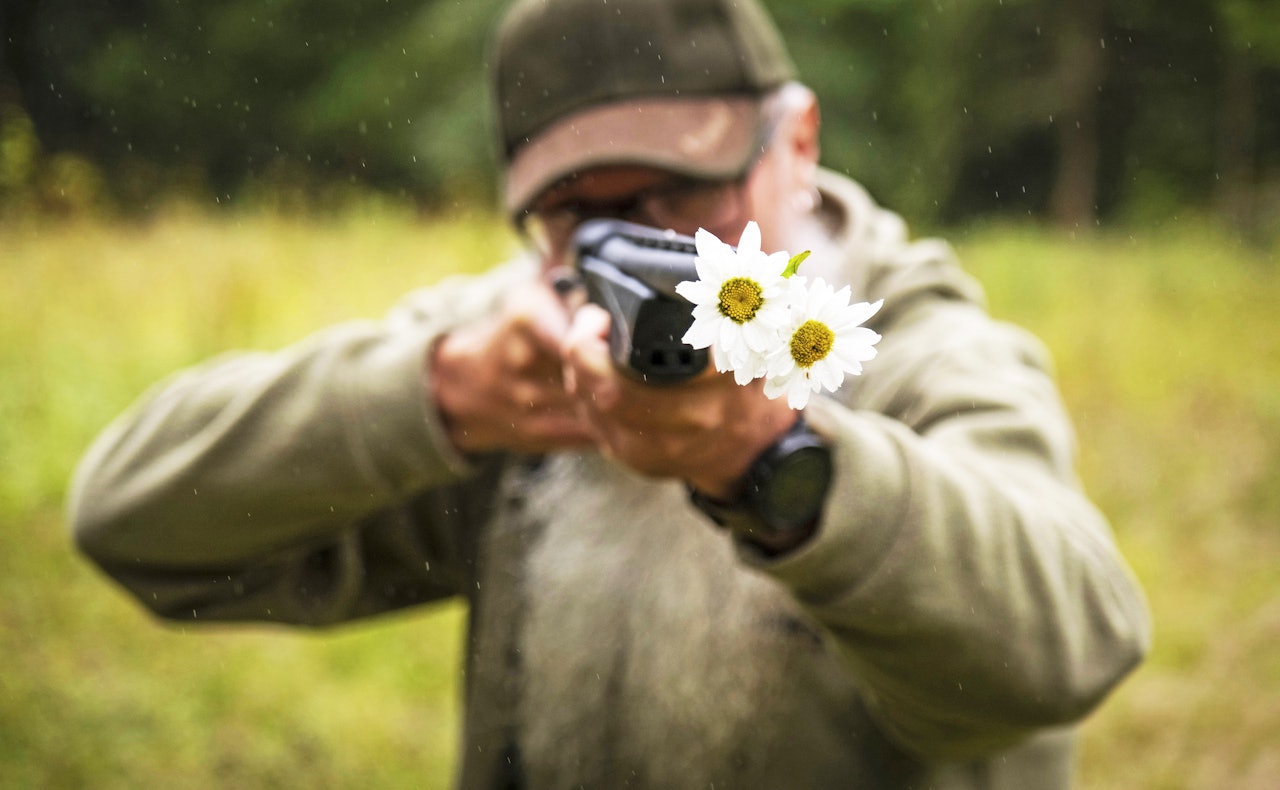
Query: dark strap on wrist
pixel 743 522
pixel 753 515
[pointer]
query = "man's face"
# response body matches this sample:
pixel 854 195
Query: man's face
pixel 764 192
pixel 643 195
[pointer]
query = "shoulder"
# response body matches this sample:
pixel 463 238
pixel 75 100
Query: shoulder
pixel 878 257
pixel 465 296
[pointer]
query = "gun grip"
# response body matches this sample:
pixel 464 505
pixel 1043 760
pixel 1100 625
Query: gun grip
pixel 646 328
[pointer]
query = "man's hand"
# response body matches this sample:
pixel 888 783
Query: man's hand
pixel 499 384
pixel 706 431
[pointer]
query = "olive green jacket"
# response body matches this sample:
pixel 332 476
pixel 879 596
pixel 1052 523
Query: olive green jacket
pixel 961 605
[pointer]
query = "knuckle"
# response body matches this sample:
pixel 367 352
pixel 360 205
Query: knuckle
pixel 706 417
pixel 518 353
pixel 671 446
pixel 525 394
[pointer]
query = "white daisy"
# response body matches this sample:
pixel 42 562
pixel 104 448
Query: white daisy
pixel 823 341
pixel 739 302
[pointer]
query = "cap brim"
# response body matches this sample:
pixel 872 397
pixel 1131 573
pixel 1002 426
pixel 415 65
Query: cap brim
pixel 703 137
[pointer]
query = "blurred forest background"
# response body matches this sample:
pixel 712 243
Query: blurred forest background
pixel 1072 111
pixel 179 178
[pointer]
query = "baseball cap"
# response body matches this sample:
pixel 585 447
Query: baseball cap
pixel 672 84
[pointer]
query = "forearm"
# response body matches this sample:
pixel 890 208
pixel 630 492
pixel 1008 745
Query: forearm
pixel 248 453
pixel 974 591
pixel 255 452
pixel 310 484
pixel 974 607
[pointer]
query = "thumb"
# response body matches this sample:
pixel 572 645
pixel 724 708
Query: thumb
pixel 544 316
pixel 585 349
pixel 590 321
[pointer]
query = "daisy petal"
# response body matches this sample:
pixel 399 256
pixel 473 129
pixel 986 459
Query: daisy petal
pixel 749 241
pixel 701 334
pixel 798 394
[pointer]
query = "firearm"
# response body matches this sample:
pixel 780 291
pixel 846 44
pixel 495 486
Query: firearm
pixel 632 271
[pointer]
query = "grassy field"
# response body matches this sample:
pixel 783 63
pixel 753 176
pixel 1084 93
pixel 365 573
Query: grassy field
pixel 1169 355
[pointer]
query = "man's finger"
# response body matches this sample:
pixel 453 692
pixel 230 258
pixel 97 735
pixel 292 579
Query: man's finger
pixel 539 312
pixel 588 371
pixel 585 343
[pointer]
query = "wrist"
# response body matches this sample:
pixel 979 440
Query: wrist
pixel 445 374
pixel 779 500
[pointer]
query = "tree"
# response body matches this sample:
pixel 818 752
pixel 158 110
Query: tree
pixel 1250 53
pixel 223 94
pixel 1080 70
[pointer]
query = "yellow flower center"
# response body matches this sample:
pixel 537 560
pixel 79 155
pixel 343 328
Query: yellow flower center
pixel 740 299
pixel 811 343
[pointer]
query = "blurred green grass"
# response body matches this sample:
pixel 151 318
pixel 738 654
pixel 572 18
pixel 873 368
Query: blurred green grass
pixel 1168 355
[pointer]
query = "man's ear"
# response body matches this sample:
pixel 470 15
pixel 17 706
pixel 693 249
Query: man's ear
pixel 802 143
pixel 804 138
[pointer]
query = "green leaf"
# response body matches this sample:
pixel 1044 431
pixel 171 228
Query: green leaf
pixel 794 263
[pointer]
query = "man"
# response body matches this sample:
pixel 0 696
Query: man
pixel 938 614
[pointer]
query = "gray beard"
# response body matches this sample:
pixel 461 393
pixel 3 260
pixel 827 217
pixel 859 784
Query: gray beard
pixel 649 652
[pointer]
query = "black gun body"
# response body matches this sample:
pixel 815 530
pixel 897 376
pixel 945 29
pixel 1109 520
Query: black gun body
pixel 632 271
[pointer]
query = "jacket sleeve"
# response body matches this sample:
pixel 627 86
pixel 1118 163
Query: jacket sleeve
pixel 971 587
pixel 309 485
